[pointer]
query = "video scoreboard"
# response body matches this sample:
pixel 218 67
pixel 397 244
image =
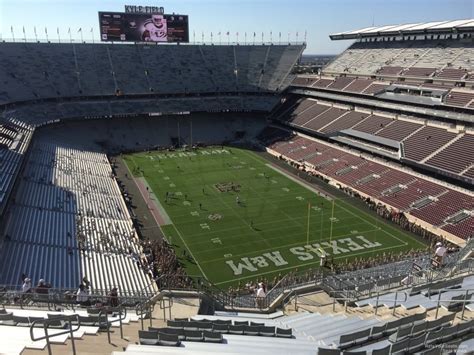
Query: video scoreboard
pixel 144 25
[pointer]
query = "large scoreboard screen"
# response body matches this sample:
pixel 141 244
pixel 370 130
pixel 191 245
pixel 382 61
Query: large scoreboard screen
pixel 139 27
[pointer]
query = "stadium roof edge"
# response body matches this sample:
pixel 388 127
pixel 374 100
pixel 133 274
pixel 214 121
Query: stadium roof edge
pixel 434 27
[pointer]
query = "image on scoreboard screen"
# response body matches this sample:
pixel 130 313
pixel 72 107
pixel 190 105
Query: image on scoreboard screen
pixel 134 27
pixel 154 29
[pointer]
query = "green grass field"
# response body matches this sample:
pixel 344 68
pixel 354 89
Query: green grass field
pixel 279 224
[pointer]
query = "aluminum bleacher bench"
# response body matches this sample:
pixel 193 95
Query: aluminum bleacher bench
pixel 221 321
pixel 220 328
pixel 417 343
pixel 237 329
pixel 185 320
pixel 400 346
pixel 191 325
pixel 204 325
pixel 21 321
pixel 174 324
pixel 378 332
pixel 7 319
pixel 267 331
pixel 193 335
pixel 325 351
pixel 382 351
pixel 147 337
pixel 168 339
pixel 179 332
pixel 284 333
pixel 252 330
pixel 212 337
pixel 354 338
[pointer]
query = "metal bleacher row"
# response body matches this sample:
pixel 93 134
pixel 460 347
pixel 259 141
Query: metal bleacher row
pixel 72 70
pixel 370 57
pixel 393 187
pixel 423 142
pixel 459 97
pixel 370 67
pixel 68 220
pixel 14 139
pixel 15 327
pixel 302 333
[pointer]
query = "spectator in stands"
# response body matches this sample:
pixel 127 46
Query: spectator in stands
pixel 26 287
pixel 261 294
pixel 86 283
pixel 82 296
pixel 42 287
pixel 113 298
pixel 439 254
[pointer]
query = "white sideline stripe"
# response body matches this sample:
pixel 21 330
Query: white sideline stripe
pixel 299 182
pixel 190 252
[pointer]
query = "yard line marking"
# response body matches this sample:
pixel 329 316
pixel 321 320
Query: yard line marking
pixel 226 230
pixel 320 193
pixel 286 236
pixel 190 252
pixel 373 225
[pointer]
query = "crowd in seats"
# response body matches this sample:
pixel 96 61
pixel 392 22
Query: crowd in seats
pixel 162 260
pixel 397 189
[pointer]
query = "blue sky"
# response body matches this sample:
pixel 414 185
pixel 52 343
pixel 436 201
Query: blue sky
pixel 318 17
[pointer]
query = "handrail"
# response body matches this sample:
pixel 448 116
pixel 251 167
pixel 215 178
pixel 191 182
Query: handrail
pixel 104 312
pixel 144 308
pixel 394 300
pixel 47 322
pixel 53 299
pixel 467 297
pixel 345 299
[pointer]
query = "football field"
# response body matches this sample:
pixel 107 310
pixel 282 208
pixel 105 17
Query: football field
pixel 232 216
